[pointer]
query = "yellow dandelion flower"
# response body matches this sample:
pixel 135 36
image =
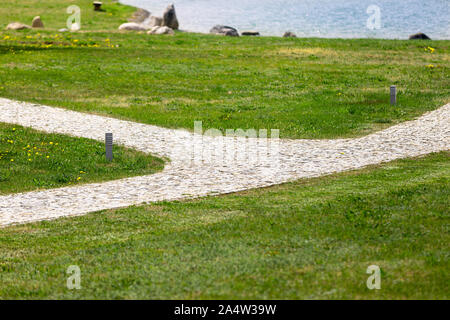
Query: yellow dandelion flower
pixel 12 160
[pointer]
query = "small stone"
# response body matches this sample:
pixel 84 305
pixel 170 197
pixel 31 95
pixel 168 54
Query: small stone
pixel 250 33
pixel 17 26
pixel 289 34
pixel 37 22
pixel 97 5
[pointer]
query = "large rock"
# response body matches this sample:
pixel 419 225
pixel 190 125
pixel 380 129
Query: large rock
pixel 17 26
pixel 139 16
pixel 224 30
pixel 37 22
pixel 133 26
pixel 289 34
pixel 420 36
pixel 170 18
pixel 155 21
pixel 160 30
pixel 250 33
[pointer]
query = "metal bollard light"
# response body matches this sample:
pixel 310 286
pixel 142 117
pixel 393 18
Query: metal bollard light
pixel 109 146
pixel 393 95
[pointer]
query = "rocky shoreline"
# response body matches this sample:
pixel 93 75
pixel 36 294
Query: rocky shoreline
pixel 143 20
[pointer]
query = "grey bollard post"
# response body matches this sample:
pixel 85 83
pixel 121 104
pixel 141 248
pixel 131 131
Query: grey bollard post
pixel 393 95
pixel 109 146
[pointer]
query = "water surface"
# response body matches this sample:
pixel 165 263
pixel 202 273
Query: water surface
pixel 311 18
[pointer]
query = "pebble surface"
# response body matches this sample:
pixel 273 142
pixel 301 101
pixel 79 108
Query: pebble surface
pixel 204 165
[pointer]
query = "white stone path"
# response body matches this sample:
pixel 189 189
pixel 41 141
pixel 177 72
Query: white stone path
pixel 189 175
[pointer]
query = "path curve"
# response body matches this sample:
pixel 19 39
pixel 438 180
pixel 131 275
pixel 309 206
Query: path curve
pixel 203 165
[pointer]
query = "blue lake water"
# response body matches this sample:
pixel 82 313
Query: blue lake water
pixel 313 18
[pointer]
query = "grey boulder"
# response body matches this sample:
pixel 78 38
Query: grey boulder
pixel 224 30
pixel 160 30
pixel 170 18
pixel 419 36
pixel 133 26
pixel 155 21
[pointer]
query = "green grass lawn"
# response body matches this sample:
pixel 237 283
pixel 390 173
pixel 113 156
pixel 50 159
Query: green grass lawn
pixel 53 13
pixel 307 88
pixel 31 160
pixel 309 239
